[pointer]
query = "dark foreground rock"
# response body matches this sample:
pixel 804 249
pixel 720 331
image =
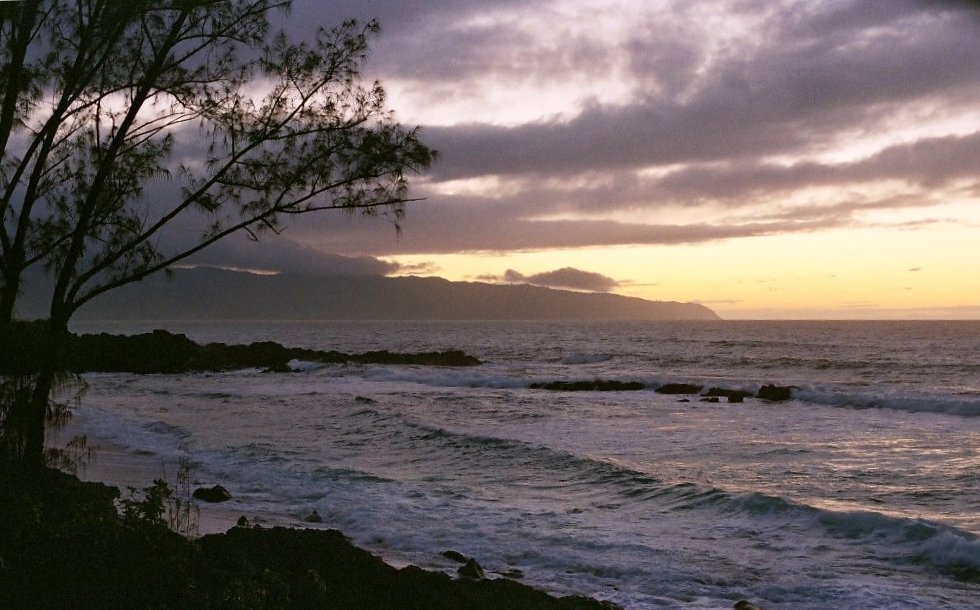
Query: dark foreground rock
pixel 455 556
pixel 471 569
pixel 321 569
pixel 64 545
pixel 313 517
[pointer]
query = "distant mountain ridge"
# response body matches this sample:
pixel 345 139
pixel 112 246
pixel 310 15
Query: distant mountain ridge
pixel 198 294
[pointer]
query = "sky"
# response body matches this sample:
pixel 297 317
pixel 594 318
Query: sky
pixel 769 159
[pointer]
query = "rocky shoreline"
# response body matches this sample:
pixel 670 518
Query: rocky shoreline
pixel 66 544
pixel 161 351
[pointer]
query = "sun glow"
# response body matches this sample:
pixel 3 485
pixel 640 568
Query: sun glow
pixel 831 274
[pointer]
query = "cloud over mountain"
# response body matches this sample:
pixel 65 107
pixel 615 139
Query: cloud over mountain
pixel 566 277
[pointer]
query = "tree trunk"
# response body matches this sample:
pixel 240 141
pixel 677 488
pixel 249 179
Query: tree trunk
pixel 36 416
pixel 8 297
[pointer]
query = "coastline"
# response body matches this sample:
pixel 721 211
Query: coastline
pixel 116 466
pixel 488 424
pixel 109 463
pixel 65 542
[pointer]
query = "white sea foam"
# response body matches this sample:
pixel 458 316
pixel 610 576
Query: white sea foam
pixel 585 358
pixel 896 399
pixel 304 366
pixel 952 549
pixel 449 378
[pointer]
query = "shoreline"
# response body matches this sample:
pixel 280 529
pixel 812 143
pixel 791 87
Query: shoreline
pixel 106 462
pixel 66 543
pixel 109 463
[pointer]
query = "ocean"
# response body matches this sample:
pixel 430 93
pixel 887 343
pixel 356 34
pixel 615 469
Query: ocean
pixel 861 492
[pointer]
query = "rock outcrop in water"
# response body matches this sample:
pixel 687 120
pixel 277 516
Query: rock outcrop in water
pixel 212 494
pixel 731 395
pixel 596 385
pixel 472 570
pixel 678 388
pixel 165 352
pixel 775 393
pixel 769 392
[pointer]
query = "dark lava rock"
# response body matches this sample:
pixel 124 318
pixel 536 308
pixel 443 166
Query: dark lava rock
pixel 471 569
pixel 212 494
pixel 243 522
pixel 321 569
pixel 745 605
pixel 365 400
pixel 618 386
pixel 774 392
pixel 731 395
pixel 679 388
pixel 513 573
pixel 597 385
pixel 90 557
pixel 709 399
pixel 164 352
pixel 313 517
pixel 684 400
pixel 454 556
pixel 155 352
pixel 447 358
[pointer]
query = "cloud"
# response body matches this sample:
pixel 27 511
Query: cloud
pixel 473 224
pixel 423 268
pixel 566 277
pixel 809 82
pixel 719 133
pixel 928 163
pixel 280 255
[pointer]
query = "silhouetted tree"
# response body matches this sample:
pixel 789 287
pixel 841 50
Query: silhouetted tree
pixel 245 127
